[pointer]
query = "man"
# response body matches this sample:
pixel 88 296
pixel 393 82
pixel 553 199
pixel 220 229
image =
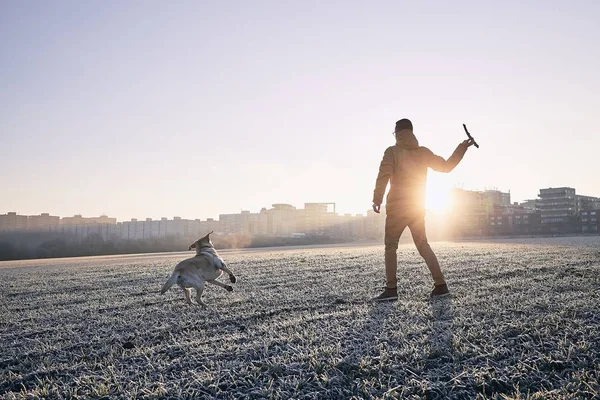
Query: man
pixel 405 166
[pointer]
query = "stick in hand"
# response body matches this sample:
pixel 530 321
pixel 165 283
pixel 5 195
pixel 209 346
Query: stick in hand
pixel 470 137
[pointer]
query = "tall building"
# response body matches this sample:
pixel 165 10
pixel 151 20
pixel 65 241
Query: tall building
pixel 43 223
pixel 210 225
pixel 11 222
pixel 164 227
pixel 128 229
pixel 79 220
pixel 476 213
pixel 558 208
pixel 281 220
pixel 469 216
pixel 84 226
pixel 252 223
pixel 349 227
pixel 239 223
pixel 316 218
pixel 496 198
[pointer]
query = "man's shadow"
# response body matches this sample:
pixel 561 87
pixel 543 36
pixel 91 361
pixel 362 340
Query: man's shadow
pixel 441 336
pixel 362 337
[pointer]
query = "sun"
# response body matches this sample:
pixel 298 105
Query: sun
pixel 438 195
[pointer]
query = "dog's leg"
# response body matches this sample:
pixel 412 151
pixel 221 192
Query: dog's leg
pixel 199 290
pixel 226 287
pixel 232 278
pixel 188 297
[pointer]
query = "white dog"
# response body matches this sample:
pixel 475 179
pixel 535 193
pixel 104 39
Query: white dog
pixel 206 266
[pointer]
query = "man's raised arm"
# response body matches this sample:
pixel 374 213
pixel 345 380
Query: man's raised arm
pixel 438 163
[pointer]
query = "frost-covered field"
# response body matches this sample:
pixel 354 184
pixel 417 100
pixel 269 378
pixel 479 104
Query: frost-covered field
pixel 523 320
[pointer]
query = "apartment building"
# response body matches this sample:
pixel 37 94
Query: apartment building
pixel 164 227
pixel 590 221
pixel 558 208
pixel 561 209
pixel 11 222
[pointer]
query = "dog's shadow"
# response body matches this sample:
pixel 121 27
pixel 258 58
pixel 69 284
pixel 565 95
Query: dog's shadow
pixel 441 336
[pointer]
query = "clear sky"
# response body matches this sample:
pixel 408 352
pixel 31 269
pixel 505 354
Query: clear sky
pixel 149 109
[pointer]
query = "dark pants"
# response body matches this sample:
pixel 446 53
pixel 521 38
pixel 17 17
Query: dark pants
pixel 395 223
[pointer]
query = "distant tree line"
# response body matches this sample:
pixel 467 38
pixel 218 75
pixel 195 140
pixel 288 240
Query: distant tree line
pixel 29 245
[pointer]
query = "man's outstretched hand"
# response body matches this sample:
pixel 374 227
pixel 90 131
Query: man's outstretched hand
pixel 468 143
pixel 376 208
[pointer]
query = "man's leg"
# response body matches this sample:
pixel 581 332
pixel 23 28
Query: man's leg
pixel 394 226
pixel 417 229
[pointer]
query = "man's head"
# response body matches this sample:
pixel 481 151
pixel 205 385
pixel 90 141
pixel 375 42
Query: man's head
pixel 404 123
pixel 404 134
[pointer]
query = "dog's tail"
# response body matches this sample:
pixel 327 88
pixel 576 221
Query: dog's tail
pixel 170 282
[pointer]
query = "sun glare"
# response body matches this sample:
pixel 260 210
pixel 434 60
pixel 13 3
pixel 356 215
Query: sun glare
pixel 438 196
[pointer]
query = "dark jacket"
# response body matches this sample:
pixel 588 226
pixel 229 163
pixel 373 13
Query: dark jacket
pixel 405 166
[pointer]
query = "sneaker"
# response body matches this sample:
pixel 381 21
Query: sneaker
pixel 387 295
pixel 440 290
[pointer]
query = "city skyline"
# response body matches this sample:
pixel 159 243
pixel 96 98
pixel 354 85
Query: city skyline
pixel 474 214
pixel 146 109
pixel 435 210
pixel 272 206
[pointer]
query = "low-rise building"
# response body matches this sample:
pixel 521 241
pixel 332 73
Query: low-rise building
pixel 523 221
pixel 531 204
pixel 590 221
pixel 587 203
